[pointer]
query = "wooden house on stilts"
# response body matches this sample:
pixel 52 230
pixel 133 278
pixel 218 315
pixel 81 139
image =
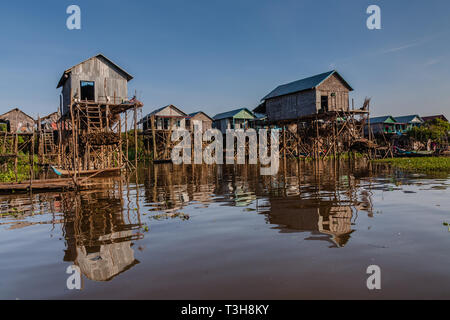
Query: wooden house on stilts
pixel 94 100
pixel 157 128
pixel 315 117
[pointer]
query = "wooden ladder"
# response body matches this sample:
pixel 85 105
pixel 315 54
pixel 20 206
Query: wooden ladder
pixel 94 118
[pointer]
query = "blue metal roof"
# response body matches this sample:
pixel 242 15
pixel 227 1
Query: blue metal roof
pixel 303 84
pixel 259 116
pixel 381 119
pixel 408 119
pixel 230 114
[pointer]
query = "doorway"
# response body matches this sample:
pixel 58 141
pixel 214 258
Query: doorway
pixel 87 90
pixel 324 104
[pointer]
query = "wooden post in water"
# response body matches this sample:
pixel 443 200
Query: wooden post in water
pixel 334 137
pixel 73 139
pixel 16 153
pixel 31 158
pixel 135 138
pixel 126 135
pixel 152 123
pixel 120 141
pixel 317 139
pixel 284 146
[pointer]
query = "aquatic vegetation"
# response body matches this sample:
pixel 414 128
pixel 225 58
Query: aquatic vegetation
pixel 174 215
pixel 447 225
pixel 420 163
pixel 14 212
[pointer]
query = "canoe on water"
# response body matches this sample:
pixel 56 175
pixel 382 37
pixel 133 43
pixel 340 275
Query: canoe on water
pixel 406 153
pixel 63 172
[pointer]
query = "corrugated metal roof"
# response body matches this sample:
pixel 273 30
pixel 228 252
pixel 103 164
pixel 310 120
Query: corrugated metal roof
pixel 64 77
pixel 438 116
pixel 230 114
pixel 303 84
pixel 260 116
pixel 18 110
pixel 158 110
pixel 408 118
pixel 193 114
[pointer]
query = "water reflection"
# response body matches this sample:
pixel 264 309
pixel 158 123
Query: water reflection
pixel 101 227
pixel 304 197
pixel 99 236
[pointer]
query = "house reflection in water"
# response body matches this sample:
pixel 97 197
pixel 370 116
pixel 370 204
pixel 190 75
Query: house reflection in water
pixel 325 220
pixel 299 200
pixel 99 235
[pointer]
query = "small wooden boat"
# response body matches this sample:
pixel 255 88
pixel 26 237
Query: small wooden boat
pixel 398 152
pixel 64 172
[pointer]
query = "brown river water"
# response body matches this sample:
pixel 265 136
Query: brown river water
pixel 226 232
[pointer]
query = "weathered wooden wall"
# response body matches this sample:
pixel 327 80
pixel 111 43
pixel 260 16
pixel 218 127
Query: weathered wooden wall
pixel 333 85
pixel 109 81
pixel 206 122
pixel 308 102
pixel 222 125
pixel 291 106
pixel 18 121
pixel 165 113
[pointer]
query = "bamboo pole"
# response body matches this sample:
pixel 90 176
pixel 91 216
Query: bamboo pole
pixel 152 121
pixel 16 153
pixel 135 138
pixel 126 134
pixel 31 155
pixel 73 141
pixel 120 141
pixel 284 147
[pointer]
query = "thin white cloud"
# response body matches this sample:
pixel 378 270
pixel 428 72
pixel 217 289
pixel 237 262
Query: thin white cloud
pixel 432 62
pixel 403 47
pixel 413 43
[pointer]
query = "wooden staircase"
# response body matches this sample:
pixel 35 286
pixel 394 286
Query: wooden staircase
pixel 94 118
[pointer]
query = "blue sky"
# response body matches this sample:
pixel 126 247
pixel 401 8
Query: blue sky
pixel 217 55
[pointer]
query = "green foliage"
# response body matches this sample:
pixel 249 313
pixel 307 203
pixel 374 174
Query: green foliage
pixel 436 130
pixel 420 163
pixel 23 169
pixel 131 145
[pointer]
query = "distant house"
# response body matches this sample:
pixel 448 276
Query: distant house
pixel 96 79
pixel 200 119
pixel 317 94
pixel 431 118
pixel 409 121
pixel 18 121
pixel 165 118
pixel 234 119
pixel 260 121
pixel 384 124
